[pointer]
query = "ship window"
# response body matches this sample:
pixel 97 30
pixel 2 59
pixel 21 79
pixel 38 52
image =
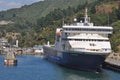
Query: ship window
pixel 65 33
pixel 92 44
pixel 105 49
pixel 86 39
pixel 65 29
pixel 79 29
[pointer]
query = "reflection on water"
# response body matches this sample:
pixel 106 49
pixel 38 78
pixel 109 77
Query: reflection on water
pixel 68 74
pixel 36 68
pixel 82 75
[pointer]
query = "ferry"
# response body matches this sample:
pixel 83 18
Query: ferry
pixel 80 45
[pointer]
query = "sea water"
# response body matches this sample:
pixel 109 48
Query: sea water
pixel 36 68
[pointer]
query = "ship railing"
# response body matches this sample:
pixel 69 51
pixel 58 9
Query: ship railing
pixel 89 50
pixel 99 32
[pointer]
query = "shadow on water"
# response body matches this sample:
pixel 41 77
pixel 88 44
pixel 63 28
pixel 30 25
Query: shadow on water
pixel 82 75
pixel 70 74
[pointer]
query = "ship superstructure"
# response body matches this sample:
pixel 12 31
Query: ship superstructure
pixel 84 37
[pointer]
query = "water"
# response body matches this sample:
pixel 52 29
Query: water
pixel 36 68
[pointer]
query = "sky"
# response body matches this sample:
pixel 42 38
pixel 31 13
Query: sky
pixel 8 4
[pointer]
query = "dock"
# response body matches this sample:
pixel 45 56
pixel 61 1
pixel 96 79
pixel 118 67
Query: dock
pixel 22 51
pixel 112 62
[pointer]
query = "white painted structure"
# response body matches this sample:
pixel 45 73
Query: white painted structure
pixel 38 49
pixel 84 37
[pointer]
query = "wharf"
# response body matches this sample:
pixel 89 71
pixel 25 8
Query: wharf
pixel 21 51
pixel 15 50
pixel 112 62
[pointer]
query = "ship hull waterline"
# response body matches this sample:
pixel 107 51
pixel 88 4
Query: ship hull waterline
pixel 75 60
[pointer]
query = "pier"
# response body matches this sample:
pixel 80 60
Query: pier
pixel 113 58
pixel 21 51
pixel 112 62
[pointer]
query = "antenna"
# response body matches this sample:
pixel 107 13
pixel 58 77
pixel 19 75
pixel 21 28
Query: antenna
pixel 108 20
pixel 86 15
pixel 63 22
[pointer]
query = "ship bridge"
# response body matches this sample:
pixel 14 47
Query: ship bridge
pixel 88 29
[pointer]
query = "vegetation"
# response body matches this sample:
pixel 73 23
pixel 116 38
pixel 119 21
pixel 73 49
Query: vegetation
pixel 37 22
pixel 37 10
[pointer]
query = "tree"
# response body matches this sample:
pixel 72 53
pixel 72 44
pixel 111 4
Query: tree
pixel 14 15
pixel 112 16
pixel 118 11
pixel 115 39
pixel 10 40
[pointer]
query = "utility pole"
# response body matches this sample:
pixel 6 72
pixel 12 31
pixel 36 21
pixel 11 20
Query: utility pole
pixel 108 20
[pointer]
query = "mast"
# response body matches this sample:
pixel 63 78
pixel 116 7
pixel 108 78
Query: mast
pixel 86 16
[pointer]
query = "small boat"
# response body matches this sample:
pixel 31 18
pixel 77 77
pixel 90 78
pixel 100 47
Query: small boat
pixel 10 59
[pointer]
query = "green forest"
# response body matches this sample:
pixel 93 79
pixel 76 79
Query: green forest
pixel 37 22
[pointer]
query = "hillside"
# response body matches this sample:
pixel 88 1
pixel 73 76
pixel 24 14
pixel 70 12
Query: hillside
pixel 37 22
pixel 37 10
pixel 101 12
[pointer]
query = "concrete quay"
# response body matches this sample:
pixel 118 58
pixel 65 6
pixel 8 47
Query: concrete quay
pixel 20 51
pixel 112 62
